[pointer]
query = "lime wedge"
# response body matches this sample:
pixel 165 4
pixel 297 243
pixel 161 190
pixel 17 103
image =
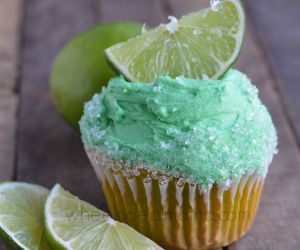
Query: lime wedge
pixel 21 215
pixel 75 224
pixel 201 45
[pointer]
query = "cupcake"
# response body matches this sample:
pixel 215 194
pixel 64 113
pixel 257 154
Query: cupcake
pixel 181 160
pixel 182 143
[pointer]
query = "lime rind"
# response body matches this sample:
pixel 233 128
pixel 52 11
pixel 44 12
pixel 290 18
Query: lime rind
pixel 53 239
pixel 200 45
pixel 58 193
pixel 52 236
pixel 10 241
pixel 238 32
pixel 21 191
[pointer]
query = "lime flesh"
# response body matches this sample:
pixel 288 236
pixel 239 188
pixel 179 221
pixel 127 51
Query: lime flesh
pixel 21 215
pixel 75 224
pixel 81 69
pixel 201 45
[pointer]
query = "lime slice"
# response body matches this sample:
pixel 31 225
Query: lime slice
pixel 200 45
pixel 75 224
pixel 21 215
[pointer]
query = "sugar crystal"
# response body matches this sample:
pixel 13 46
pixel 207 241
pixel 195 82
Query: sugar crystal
pixel 172 26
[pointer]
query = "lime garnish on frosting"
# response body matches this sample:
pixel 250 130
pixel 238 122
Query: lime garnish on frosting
pixel 201 45
pixel 208 131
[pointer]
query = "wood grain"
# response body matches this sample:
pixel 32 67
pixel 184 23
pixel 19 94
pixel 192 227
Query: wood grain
pixel 10 14
pixel 277 24
pixel 277 222
pixel 49 150
pixel 144 11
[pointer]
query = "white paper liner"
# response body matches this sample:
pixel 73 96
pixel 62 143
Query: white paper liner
pixel 184 229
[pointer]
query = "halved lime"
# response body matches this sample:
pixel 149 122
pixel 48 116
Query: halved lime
pixel 74 224
pixel 21 215
pixel 201 45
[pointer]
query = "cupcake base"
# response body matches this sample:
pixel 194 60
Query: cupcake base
pixel 176 214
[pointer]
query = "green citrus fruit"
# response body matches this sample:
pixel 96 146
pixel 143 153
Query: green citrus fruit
pixel 21 215
pixel 81 69
pixel 201 45
pixel 77 225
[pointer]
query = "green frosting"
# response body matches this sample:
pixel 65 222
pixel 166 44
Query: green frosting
pixel 209 131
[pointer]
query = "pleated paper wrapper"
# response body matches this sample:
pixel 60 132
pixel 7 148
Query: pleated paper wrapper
pixel 174 213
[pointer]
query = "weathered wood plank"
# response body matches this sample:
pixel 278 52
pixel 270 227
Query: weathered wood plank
pixel 144 11
pixel 10 14
pixel 277 222
pixel 50 151
pixel 277 23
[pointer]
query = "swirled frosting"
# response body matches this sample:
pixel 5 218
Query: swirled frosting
pixel 209 131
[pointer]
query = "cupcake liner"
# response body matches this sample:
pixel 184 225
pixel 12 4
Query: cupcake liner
pixel 175 213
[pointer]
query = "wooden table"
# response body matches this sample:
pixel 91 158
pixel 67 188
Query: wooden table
pixel 37 146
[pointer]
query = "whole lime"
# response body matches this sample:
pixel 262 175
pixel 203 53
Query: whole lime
pixel 81 69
